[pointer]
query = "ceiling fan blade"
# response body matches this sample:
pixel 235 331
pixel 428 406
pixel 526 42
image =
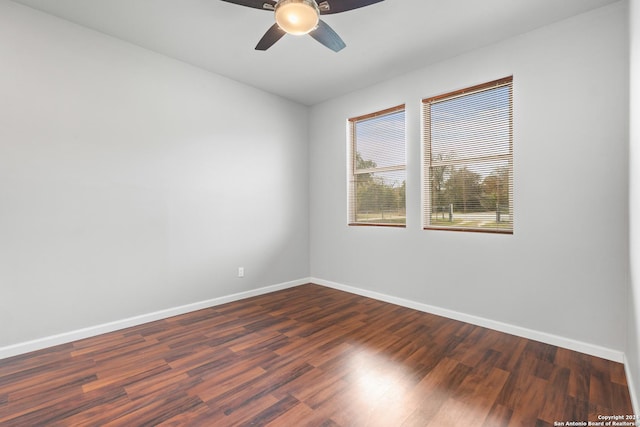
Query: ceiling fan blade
pixel 325 35
pixel 272 35
pixel 257 4
pixel 336 6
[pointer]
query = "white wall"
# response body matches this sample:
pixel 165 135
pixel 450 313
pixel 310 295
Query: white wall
pixel 130 182
pixel 633 339
pixel 564 271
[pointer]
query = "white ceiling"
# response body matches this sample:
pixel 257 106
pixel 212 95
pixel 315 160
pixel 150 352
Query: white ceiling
pixel 383 40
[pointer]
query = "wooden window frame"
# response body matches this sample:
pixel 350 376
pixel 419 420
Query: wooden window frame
pixel 353 171
pixel 428 162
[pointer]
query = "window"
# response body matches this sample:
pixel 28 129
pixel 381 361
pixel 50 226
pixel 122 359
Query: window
pixel 377 168
pixel 468 159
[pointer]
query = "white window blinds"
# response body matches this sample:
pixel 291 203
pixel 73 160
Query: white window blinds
pixel 468 164
pixel 377 168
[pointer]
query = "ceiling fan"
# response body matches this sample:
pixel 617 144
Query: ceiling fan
pixel 299 17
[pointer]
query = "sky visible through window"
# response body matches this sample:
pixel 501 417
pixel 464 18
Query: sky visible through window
pixel 381 140
pixel 460 130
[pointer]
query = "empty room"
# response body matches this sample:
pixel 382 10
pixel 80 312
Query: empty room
pixel 319 213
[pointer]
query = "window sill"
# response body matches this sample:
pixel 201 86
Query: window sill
pixel 373 224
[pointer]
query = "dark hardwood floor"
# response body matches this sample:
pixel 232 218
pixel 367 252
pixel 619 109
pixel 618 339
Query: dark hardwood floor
pixel 308 356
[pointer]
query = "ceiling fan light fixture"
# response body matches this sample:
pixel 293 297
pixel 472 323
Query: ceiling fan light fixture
pixel 297 17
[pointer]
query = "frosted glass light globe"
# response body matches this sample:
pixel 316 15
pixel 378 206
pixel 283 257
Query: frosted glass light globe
pixel 297 17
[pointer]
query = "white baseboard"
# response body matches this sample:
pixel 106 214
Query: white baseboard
pixel 40 343
pixel 591 349
pixel 632 390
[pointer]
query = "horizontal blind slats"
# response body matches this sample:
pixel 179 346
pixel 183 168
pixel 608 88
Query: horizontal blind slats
pixel 378 171
pixel 468 150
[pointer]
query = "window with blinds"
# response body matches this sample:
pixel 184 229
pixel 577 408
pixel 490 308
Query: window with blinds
pixel 377 168
pixel 468 159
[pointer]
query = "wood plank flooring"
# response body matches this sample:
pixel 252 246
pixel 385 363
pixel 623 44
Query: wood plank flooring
pixel 308 356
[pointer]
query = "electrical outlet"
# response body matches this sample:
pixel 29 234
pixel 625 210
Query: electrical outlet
pixel 240 271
